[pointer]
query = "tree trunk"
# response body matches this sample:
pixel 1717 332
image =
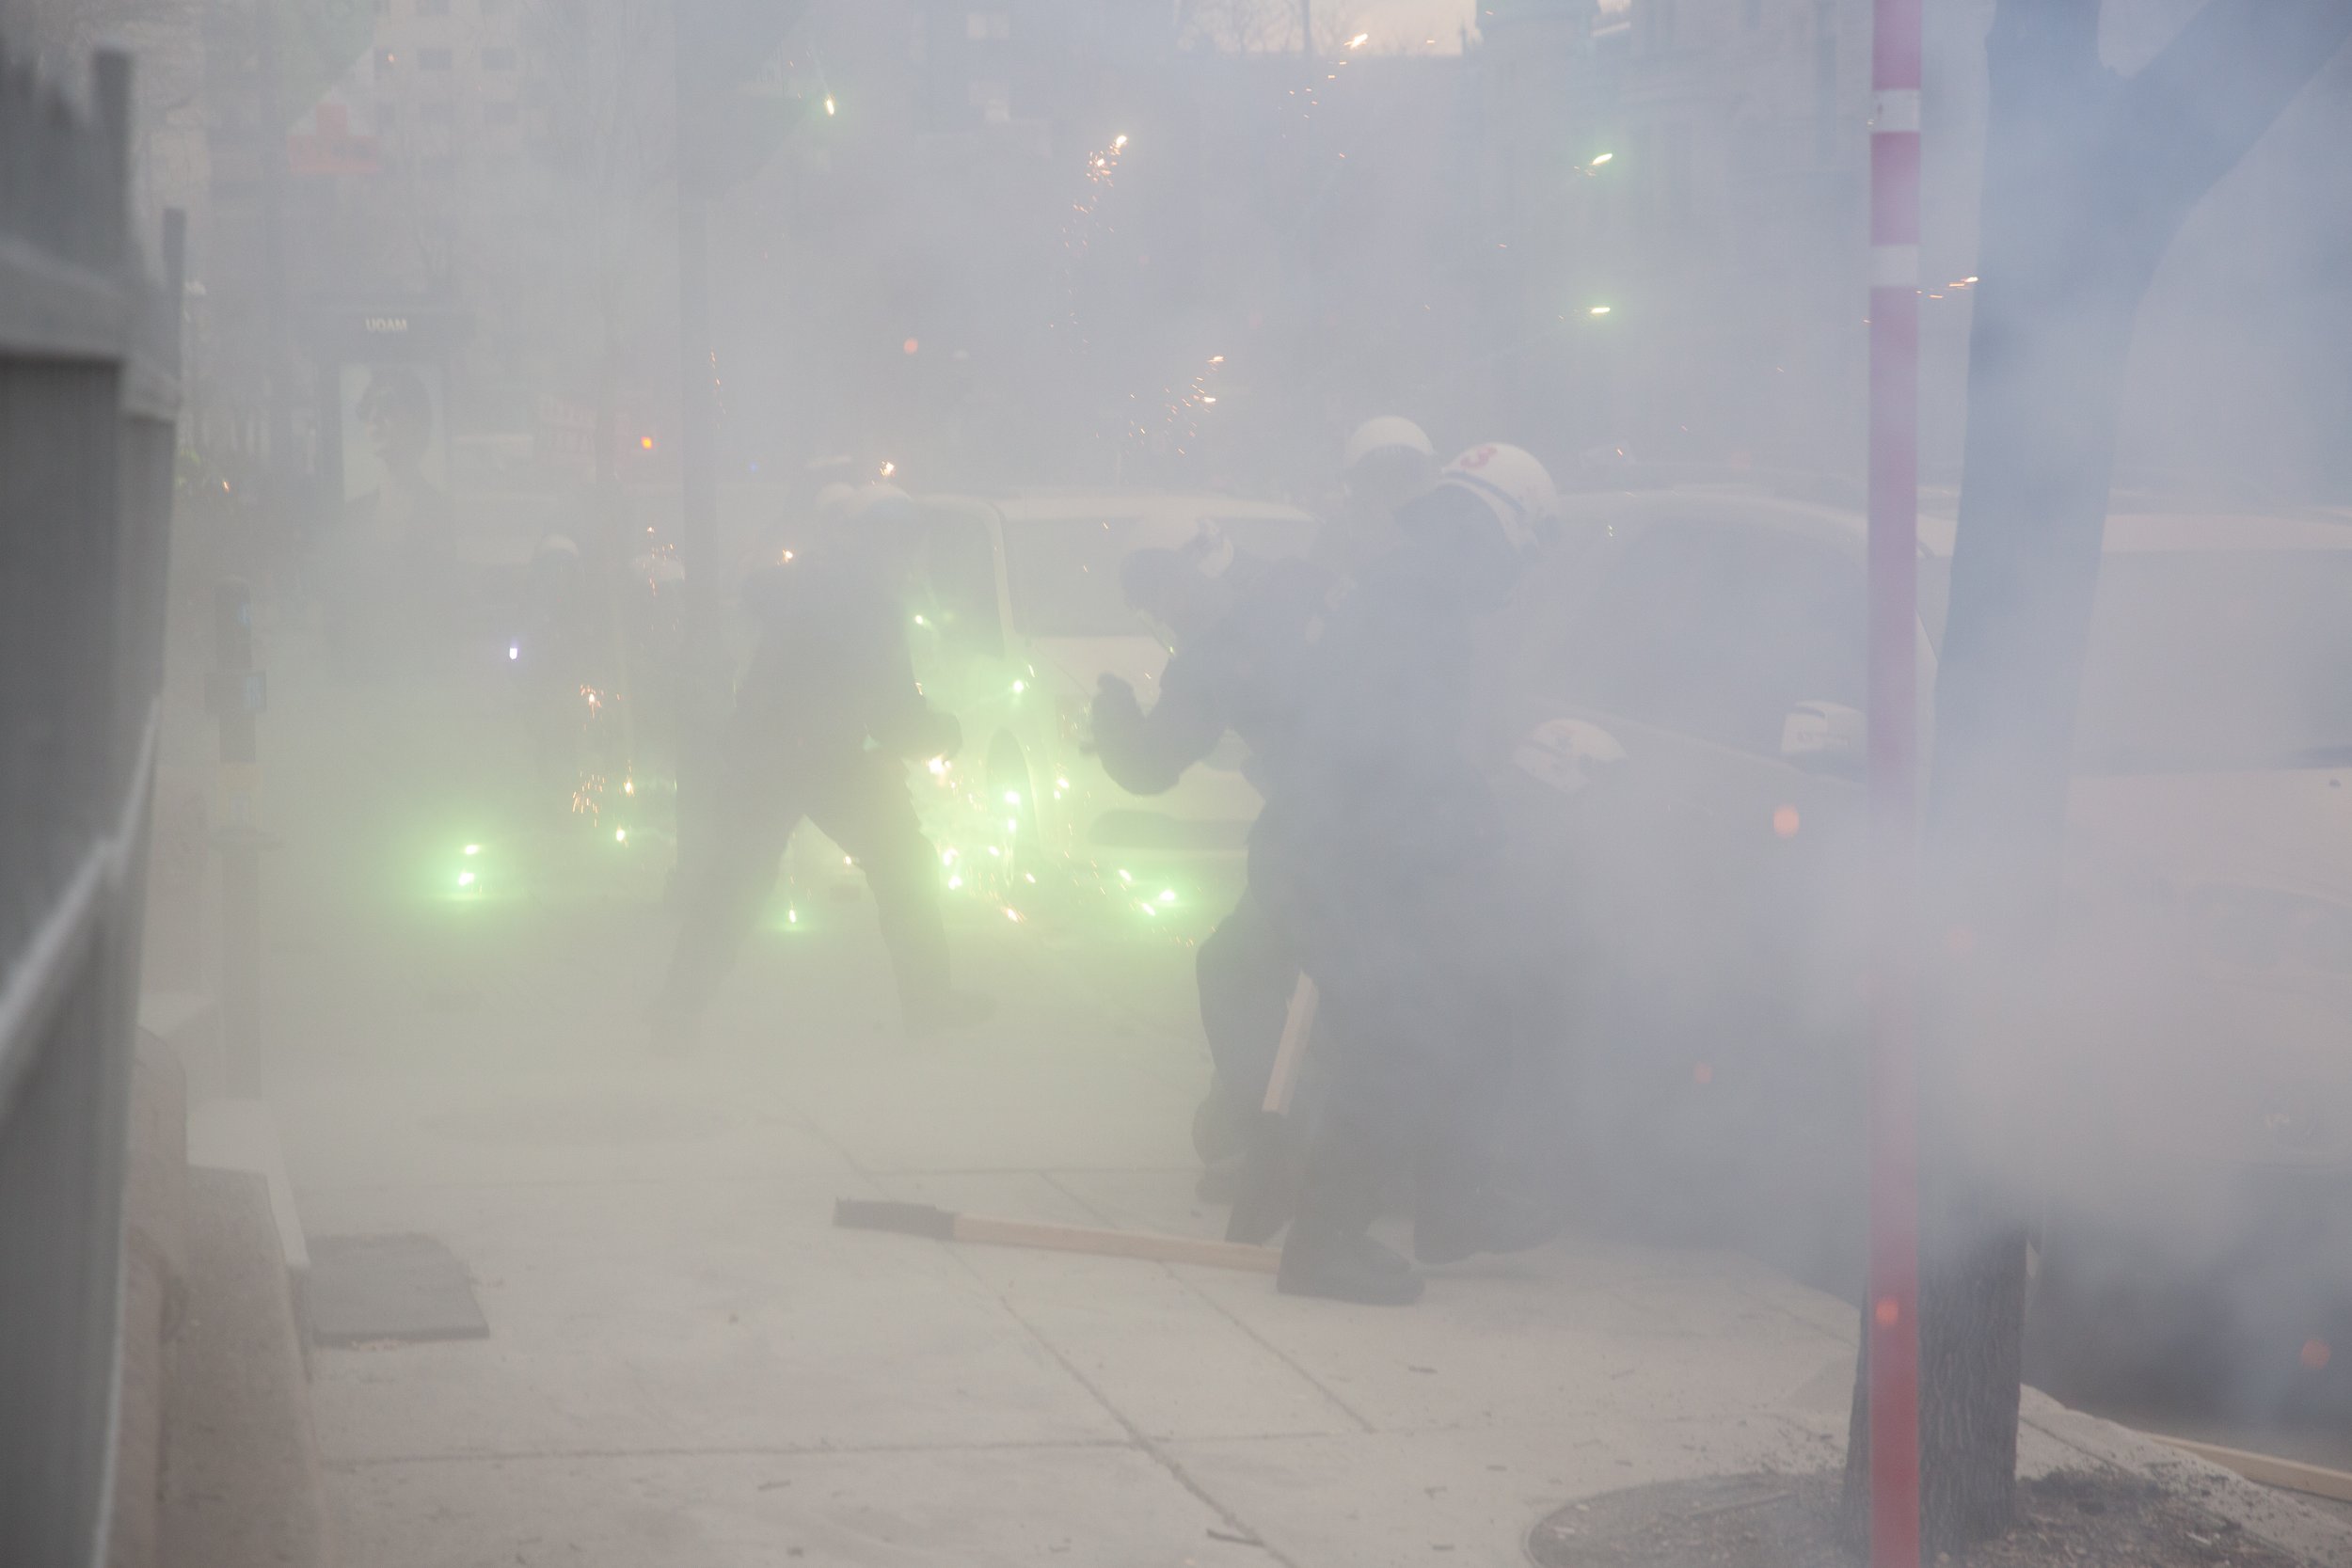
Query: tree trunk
pixel 2087 180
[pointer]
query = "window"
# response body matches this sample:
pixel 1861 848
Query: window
pixel 957 586
pixel 993 99
pixel 1675 173
pixel 1824 81
pixel 1717 633
pixel 978 25
pixel 433 59
pixel 1064 573
pixel 1655 24
pixel 497 57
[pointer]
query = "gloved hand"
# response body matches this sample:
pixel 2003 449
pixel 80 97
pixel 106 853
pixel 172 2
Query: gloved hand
pixel 1116 711
pixel 1116 699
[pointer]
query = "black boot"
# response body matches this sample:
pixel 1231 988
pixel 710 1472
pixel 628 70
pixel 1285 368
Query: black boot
pixel 1451 1227
pixel 1346 1266
pixel 1219 1131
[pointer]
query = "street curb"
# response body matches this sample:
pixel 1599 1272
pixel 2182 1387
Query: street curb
pixel 2313 1535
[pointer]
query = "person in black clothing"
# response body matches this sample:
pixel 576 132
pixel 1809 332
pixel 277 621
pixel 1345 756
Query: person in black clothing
pixel 1239 629
pixel 825 721
pixel 1380 858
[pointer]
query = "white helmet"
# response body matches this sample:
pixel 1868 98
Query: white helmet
pixel 1387 432
pixel 1515 487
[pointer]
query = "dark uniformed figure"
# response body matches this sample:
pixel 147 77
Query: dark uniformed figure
pixel 1239 629
pixel 1388 465
pixel 1380 858
pixel 825 721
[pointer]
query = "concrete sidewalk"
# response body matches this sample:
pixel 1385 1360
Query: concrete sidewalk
pixel 688 1365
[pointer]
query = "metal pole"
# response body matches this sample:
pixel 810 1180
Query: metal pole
pixel 1893 1322
pixel 236 700
pixel 698 527
pixel 698 521
pixel 280 491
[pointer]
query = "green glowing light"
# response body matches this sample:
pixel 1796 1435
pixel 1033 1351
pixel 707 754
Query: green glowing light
pixel 1010 826
pixel 1019 687
pixel 954 883
pixel 473 849
pixel 1013 797
pixel 1125 877
pixel 1147 909
pixel 464 879
pixel 920 621
pixel 791 917
pixel 620 835
pixel 1167 895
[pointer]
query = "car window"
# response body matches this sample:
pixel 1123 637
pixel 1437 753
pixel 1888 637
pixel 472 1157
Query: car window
pixel 1064 571
pixel 957 585
pixel 1716 632
pixel 2219 661
pixel 2206 660
pixel 1268 538
pixel 1064 575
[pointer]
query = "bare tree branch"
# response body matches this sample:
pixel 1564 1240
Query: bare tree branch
pixel 2195 109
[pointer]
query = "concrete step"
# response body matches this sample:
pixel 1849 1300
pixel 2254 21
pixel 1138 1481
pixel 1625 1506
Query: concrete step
pixel 241 1481
pixel 241 1135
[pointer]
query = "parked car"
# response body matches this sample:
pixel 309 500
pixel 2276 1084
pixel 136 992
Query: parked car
pixel 1690 686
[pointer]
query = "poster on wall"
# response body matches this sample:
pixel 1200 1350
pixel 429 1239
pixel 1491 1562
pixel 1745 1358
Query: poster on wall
pixel 395 454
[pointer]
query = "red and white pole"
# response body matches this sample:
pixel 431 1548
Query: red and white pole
pixel 1893 1319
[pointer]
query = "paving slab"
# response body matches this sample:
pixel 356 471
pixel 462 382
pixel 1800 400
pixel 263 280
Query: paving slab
pixel 1524 1339
pixel 1373 1499
pixel 1100 1506
pixel 1171 1360
pixel 654 1317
